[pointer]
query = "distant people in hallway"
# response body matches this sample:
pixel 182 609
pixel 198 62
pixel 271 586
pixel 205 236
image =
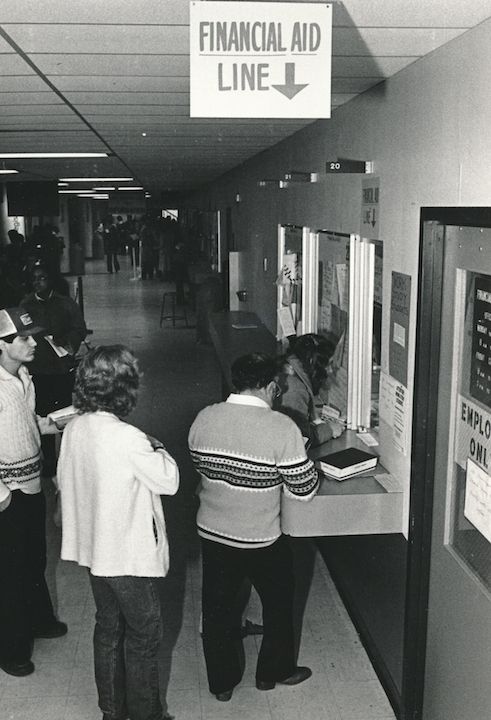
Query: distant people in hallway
pixel 180 270
pixel 111 245
pixel 305 372
pixel 247 455
pixel 150 246
pixel 44 247
pixel 111 476
pixel 52 368
pixel 26 610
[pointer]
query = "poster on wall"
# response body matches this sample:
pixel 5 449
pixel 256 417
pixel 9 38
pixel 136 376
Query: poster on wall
pixel 477 504
pixel 400 299
pixel 480 380
pixel 394 410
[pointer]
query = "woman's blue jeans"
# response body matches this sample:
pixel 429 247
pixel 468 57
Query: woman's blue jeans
pixel 127 636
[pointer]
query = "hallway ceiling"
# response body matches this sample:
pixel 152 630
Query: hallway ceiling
pixel 93 75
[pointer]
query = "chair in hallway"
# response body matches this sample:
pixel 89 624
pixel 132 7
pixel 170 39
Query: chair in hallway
pixel 171 297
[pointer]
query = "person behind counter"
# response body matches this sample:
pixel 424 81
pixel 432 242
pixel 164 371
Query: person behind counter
pixel 247 455
pixel 305 371
pixel 111 476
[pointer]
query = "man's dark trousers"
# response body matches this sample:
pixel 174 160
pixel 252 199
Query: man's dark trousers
pixel 224 570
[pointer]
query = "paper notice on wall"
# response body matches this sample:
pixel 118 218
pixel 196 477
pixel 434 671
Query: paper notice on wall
pixel 477 504
pixel 325 321
pixel 328 283
pixel 394 411
pixel 341 277
pixel 285 320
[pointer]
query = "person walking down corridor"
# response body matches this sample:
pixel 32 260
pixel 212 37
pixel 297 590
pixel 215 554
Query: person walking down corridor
pixel 26 611
pixel 247 455
pixel 111 476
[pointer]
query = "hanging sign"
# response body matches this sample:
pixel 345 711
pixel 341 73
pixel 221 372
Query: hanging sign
pixel 260 59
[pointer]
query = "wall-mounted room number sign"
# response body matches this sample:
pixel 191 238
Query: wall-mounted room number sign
pixel 346 166
pixel 260 59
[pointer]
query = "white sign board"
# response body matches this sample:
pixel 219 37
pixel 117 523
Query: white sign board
pixel 370 194
pixel 260 59
pixel 477 505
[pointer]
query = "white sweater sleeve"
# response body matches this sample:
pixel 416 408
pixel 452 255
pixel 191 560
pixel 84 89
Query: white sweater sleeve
pixel 156 469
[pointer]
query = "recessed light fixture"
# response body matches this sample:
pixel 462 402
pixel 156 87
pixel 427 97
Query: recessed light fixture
pixel 96 179
pixel 144 134
pixel 8 172
pixel 36 155
pixel 130 188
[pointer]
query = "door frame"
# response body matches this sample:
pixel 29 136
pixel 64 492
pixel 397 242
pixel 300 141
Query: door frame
pixel 427 363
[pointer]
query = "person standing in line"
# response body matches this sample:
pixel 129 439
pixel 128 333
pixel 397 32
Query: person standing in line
pixel 26 611
pixel 53 366
pixel 111 476
pixel 247 455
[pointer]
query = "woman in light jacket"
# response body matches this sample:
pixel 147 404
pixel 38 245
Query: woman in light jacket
pixel 304 372
pixel 111 476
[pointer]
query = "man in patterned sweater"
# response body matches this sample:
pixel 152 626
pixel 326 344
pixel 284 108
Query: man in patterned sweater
pixel 26 611
pixel 247 455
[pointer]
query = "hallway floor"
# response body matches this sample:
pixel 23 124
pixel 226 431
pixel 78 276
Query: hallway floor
pixel 181 377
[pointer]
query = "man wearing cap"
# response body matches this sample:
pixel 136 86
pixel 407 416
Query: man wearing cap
pixel 26 611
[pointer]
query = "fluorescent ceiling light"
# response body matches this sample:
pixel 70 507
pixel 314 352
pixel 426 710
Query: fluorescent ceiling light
pixel 71 192
pixel 60 184
pixel 96 179
pixel 131 188
pixel 8 172
pixel 94 196
pixel 36 155
pixel 107 187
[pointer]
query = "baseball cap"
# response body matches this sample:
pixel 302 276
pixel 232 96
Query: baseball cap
pixel 16 321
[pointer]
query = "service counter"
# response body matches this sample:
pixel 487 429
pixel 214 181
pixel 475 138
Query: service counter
pixel 369 504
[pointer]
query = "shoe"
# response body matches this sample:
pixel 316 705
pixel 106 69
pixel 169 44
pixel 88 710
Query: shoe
pixel 55 630
pixel 251 628
pixel 224 696
pixel 300 674
pixel 17 669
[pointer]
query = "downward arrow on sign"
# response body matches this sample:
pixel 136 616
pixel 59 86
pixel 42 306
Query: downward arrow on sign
pixel 290 89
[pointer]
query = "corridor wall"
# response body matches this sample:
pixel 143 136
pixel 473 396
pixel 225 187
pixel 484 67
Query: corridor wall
pixel 425 129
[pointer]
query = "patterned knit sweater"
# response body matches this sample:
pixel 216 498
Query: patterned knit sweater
pixel 20 443
pixel 247 454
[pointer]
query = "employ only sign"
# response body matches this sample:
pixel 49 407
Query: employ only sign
pixel 260 59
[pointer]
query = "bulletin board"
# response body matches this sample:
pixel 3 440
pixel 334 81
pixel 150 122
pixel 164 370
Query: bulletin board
pixel 333 308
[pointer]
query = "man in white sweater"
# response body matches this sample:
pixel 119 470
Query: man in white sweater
pixel 26 611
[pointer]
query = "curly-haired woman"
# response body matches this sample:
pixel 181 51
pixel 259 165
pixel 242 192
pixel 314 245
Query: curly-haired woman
pixel 305 370
pixel 111 476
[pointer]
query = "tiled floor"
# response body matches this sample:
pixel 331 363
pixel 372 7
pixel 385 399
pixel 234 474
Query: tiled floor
pixel 180 377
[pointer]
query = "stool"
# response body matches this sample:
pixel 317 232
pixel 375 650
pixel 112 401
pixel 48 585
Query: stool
pixel 172 316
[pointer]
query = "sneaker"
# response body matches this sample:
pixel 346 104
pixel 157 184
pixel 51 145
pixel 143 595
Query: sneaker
pixel 17 669
pixel 55 630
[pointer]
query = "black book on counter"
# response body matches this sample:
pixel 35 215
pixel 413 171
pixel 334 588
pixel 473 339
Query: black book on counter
pixel 345 463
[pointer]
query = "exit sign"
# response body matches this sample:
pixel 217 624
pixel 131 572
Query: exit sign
pixel 348 166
